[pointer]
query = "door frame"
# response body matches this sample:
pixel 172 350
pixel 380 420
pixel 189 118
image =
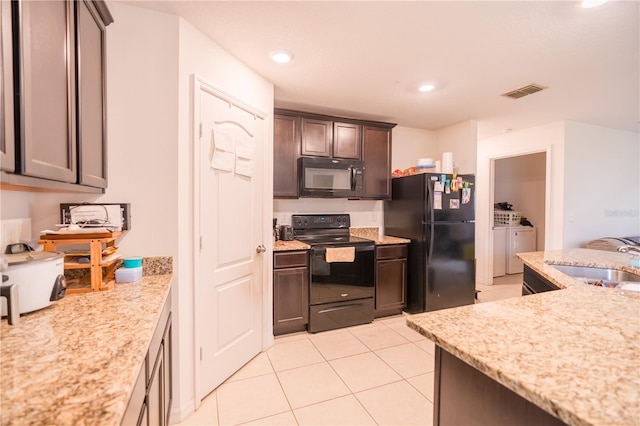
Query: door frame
pixel 549 138
pixel 488 260
pixel 199 84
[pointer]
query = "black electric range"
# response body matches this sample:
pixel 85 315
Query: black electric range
pixel 341 288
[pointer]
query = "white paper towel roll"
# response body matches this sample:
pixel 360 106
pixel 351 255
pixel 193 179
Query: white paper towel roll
pixel 447 162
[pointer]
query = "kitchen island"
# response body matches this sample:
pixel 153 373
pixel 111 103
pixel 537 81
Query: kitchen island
pixel 77 361
pixel 573 353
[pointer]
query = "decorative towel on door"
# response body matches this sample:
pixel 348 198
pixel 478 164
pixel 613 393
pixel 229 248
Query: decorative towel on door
pixel 340 254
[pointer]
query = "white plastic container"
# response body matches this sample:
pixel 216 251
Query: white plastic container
pixel 128 275
pixel 447 162
pixel 425 161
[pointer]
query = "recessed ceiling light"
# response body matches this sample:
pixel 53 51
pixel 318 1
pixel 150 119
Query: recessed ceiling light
pixel 426 88
pixel 592 3
pixel 281 56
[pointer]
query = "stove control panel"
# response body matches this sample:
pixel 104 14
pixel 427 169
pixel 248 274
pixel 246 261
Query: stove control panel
pixel 320 221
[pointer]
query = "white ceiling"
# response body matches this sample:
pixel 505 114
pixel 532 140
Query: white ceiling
pixel 365 59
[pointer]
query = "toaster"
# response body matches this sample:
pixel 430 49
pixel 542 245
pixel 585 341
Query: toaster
pixel 286 233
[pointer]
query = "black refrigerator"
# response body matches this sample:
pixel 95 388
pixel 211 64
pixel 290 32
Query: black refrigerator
pixel 437 213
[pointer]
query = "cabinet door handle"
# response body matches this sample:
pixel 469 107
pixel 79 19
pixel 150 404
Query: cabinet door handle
pixel 260 249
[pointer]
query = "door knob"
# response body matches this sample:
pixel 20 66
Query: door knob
pixel 260 249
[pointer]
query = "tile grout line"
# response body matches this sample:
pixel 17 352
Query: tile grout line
pixel 352 393
pixel 281 387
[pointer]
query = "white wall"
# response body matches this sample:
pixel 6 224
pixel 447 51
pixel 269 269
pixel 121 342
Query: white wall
pixel 521 181
pixel 461 140
pixel 364 213
pixel 15 204
pixel 409 144
pixel 602 195
pixel 548 139
pixel 142 109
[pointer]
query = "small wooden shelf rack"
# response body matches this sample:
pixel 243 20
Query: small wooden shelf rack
pixel 97 242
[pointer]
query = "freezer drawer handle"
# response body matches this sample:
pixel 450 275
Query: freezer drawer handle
pixel 340 308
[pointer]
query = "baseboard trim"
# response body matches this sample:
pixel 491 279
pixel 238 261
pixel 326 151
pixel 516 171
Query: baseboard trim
pixel 180 414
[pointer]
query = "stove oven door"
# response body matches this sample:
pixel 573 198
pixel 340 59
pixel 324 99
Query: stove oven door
pixel 341 281
pixel 341 293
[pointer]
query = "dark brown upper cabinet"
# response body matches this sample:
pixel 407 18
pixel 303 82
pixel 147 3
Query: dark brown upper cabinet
pixel 60 137
pixel 376 153
pixel 286 149
pixel 347 140
pixel 302 134
pixel 327 138
pixel 7 139
pixel 317 137
pixel 92 138
pixel 47 147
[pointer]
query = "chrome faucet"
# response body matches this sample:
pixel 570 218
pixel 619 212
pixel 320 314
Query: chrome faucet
pixel 629 249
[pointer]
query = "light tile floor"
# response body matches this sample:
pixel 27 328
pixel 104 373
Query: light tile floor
pixel 374 374
pixel 503 287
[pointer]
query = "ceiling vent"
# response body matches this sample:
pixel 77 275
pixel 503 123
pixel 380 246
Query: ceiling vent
pixel 524 91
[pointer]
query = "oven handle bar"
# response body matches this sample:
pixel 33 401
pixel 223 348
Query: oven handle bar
pixel 320 250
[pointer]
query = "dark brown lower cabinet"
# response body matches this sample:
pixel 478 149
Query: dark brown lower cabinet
pixel 155 390
pixel 150 403
pixel 533 282
pixel 290 291
pixel 391 280
pixel 464 395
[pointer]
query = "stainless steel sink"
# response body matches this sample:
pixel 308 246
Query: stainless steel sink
pixel 602 277
pixel 591 273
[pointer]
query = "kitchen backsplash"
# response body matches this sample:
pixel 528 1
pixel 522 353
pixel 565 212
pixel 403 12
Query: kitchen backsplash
pixel 364 213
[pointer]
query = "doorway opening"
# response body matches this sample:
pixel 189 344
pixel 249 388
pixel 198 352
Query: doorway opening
pixel 520 181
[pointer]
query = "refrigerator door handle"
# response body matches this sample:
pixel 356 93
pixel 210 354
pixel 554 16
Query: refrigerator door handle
pixel 429 195
pixel 430 254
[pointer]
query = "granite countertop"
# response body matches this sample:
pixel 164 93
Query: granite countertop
pixel 76 362
pixel 290 245
pixel 368 233
pixel 373 233
pixel 574 352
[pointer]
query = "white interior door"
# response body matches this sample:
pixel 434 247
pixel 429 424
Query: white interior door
pixel 229 223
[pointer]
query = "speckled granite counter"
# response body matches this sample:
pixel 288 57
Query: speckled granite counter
pixel 574 352
pixel 373 233
pixel 76 362
pixel 290 245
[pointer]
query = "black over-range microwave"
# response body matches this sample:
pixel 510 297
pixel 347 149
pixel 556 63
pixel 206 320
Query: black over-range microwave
pixel 331 178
